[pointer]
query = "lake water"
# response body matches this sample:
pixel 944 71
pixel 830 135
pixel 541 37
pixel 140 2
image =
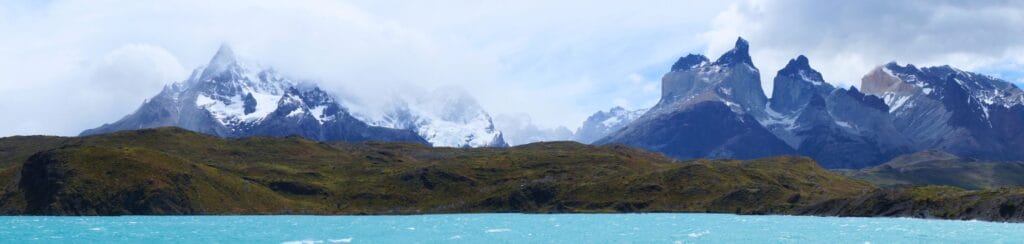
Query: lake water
pixel 503 228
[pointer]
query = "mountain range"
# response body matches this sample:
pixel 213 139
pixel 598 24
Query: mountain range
pixel 231 98
pixel 717 109
pixel 931 142
pixel 707 109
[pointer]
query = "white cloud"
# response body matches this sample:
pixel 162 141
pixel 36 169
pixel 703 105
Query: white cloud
pixel 135 69
pixel 557 61
pixel 518 129
pixel 845 39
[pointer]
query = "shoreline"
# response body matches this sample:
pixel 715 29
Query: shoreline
pixel 171 171
pixel 514 213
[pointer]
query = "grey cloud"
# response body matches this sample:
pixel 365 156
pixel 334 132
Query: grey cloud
pixel 557 61
pixel 844 39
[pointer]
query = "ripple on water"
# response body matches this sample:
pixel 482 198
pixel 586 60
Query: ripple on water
pixel 477 228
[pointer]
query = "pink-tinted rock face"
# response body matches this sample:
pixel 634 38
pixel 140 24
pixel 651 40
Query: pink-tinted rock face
pixel 880 80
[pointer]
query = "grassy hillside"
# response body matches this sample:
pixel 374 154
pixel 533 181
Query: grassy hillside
pixel 91 180
pixel 16 149
pixel 939 168
pixel 172 171
pixel 1004 204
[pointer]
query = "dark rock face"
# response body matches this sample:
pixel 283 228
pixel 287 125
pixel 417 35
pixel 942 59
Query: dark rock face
pixel 740 54
pixel 732 79
pixel 705 130
pixel 864 118
pixel 825 140
pixel 689 62
pixel 906 109
pixel 432 178
pixel 296 188
pixel 960 112
pixel 795 85
pixel 902 109
pixel 295 116
pixel 250 104
pixel 707 110
pixel 228 98
pixel 839 128
pixel 844 140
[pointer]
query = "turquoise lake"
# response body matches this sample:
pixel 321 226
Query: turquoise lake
pixel 503 228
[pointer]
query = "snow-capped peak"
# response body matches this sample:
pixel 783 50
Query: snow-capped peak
pixel 230 97
pixel 602 123
pixel 618 115
pixel 447 117
pixel 236 92
pixel 221 62
pixel 985 89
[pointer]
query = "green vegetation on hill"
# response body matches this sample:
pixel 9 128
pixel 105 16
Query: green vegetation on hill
pixel 173 171
pixel 16 149
pixel 940 168
pixel 945 202
pixel 90 180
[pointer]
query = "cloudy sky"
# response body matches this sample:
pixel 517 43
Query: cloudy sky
pixel 66 66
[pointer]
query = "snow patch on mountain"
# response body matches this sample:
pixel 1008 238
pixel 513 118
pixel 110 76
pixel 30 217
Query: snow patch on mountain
pixel 925 81
pixel 602 123
pixel 895 102
pixel 231 111
pixel 774 118
pixel 445 117
pixel 318 113
pixel 232 98
pixel 806 77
